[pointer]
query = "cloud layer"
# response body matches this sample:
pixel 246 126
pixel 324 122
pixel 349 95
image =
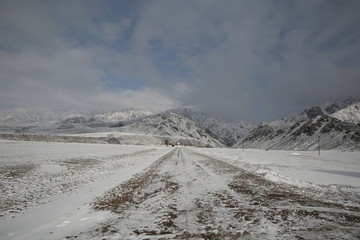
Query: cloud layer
pixel 240 60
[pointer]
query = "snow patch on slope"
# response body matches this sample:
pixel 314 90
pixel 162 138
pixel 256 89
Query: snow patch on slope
pixel 350 114
pixel 122 115
pixel 301 131
pixel 169 124
pixel 228 132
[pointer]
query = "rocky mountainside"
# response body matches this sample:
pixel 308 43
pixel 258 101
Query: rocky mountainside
pixel 168 124
pixel 183 122
pixel 226 132
pixel 163 126
pixel 109 117
pixel 120 115
pixel 350 114
pixel 335 125
pixel 327 108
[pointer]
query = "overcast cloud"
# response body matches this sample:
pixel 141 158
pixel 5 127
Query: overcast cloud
pixel 239 60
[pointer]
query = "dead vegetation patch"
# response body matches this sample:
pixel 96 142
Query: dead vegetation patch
pixel 208 234
pixel 244 209
pixel 81 162
pixel 131 192
pixel 16 171
pixel 167 223
pixel 137 153
pixel 265 192
pixel 170 186
pixel 264 198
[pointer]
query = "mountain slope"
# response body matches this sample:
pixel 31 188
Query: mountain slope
pixel 48 121
pixel 302 131
pixel 120 115
pixel 46 116
pixel 226 132
pixel 327 108
pixel 350 114
pixel 168 124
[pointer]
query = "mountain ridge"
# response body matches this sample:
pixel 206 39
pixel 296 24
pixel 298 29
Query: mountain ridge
pixel 227 132
pixel 302 131
pixel 336 123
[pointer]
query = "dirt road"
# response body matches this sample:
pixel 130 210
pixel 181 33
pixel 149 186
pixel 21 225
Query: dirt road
pixel 188 195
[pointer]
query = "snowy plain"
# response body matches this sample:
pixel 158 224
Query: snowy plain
pixel 330 167
pixel 48 191
pixel 47 186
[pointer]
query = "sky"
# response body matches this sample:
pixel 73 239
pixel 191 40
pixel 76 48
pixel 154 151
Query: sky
pixel 248 60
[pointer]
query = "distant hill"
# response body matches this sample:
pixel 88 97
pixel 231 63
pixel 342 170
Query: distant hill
pixel 36 116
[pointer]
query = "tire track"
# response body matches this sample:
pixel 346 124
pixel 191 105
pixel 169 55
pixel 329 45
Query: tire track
pixel 288 207
pixel 187 195
pixel 117 199
pixel 16 195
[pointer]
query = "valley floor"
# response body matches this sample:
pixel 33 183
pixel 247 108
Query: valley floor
pixel 84 191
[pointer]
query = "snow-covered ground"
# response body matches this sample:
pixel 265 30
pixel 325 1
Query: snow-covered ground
pixel 45 186
pixel 331 167
pixel 102 191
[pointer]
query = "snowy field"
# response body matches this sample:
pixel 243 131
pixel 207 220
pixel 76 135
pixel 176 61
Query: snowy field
pixel 96 191
pixel 331 167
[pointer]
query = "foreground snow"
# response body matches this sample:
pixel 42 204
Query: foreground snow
pixel 331 167
pixel 51 184
pixel 86 191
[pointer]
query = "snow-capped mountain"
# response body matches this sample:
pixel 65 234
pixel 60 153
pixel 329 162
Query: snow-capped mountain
pixel 337 124
pixel 44 115
pixel 47 121
pixel 109 117
pixel 168 124
pixel 350 114
pixel 327 108
pixel 122 115
pixel 35 116
pixel 227 132
pixel 302 131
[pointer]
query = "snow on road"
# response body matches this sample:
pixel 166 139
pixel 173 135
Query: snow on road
pixel 138 192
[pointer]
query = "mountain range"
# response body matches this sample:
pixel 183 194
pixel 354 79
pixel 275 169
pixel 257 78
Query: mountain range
pixel 335 124
pixel 332 125
pixel 175 125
